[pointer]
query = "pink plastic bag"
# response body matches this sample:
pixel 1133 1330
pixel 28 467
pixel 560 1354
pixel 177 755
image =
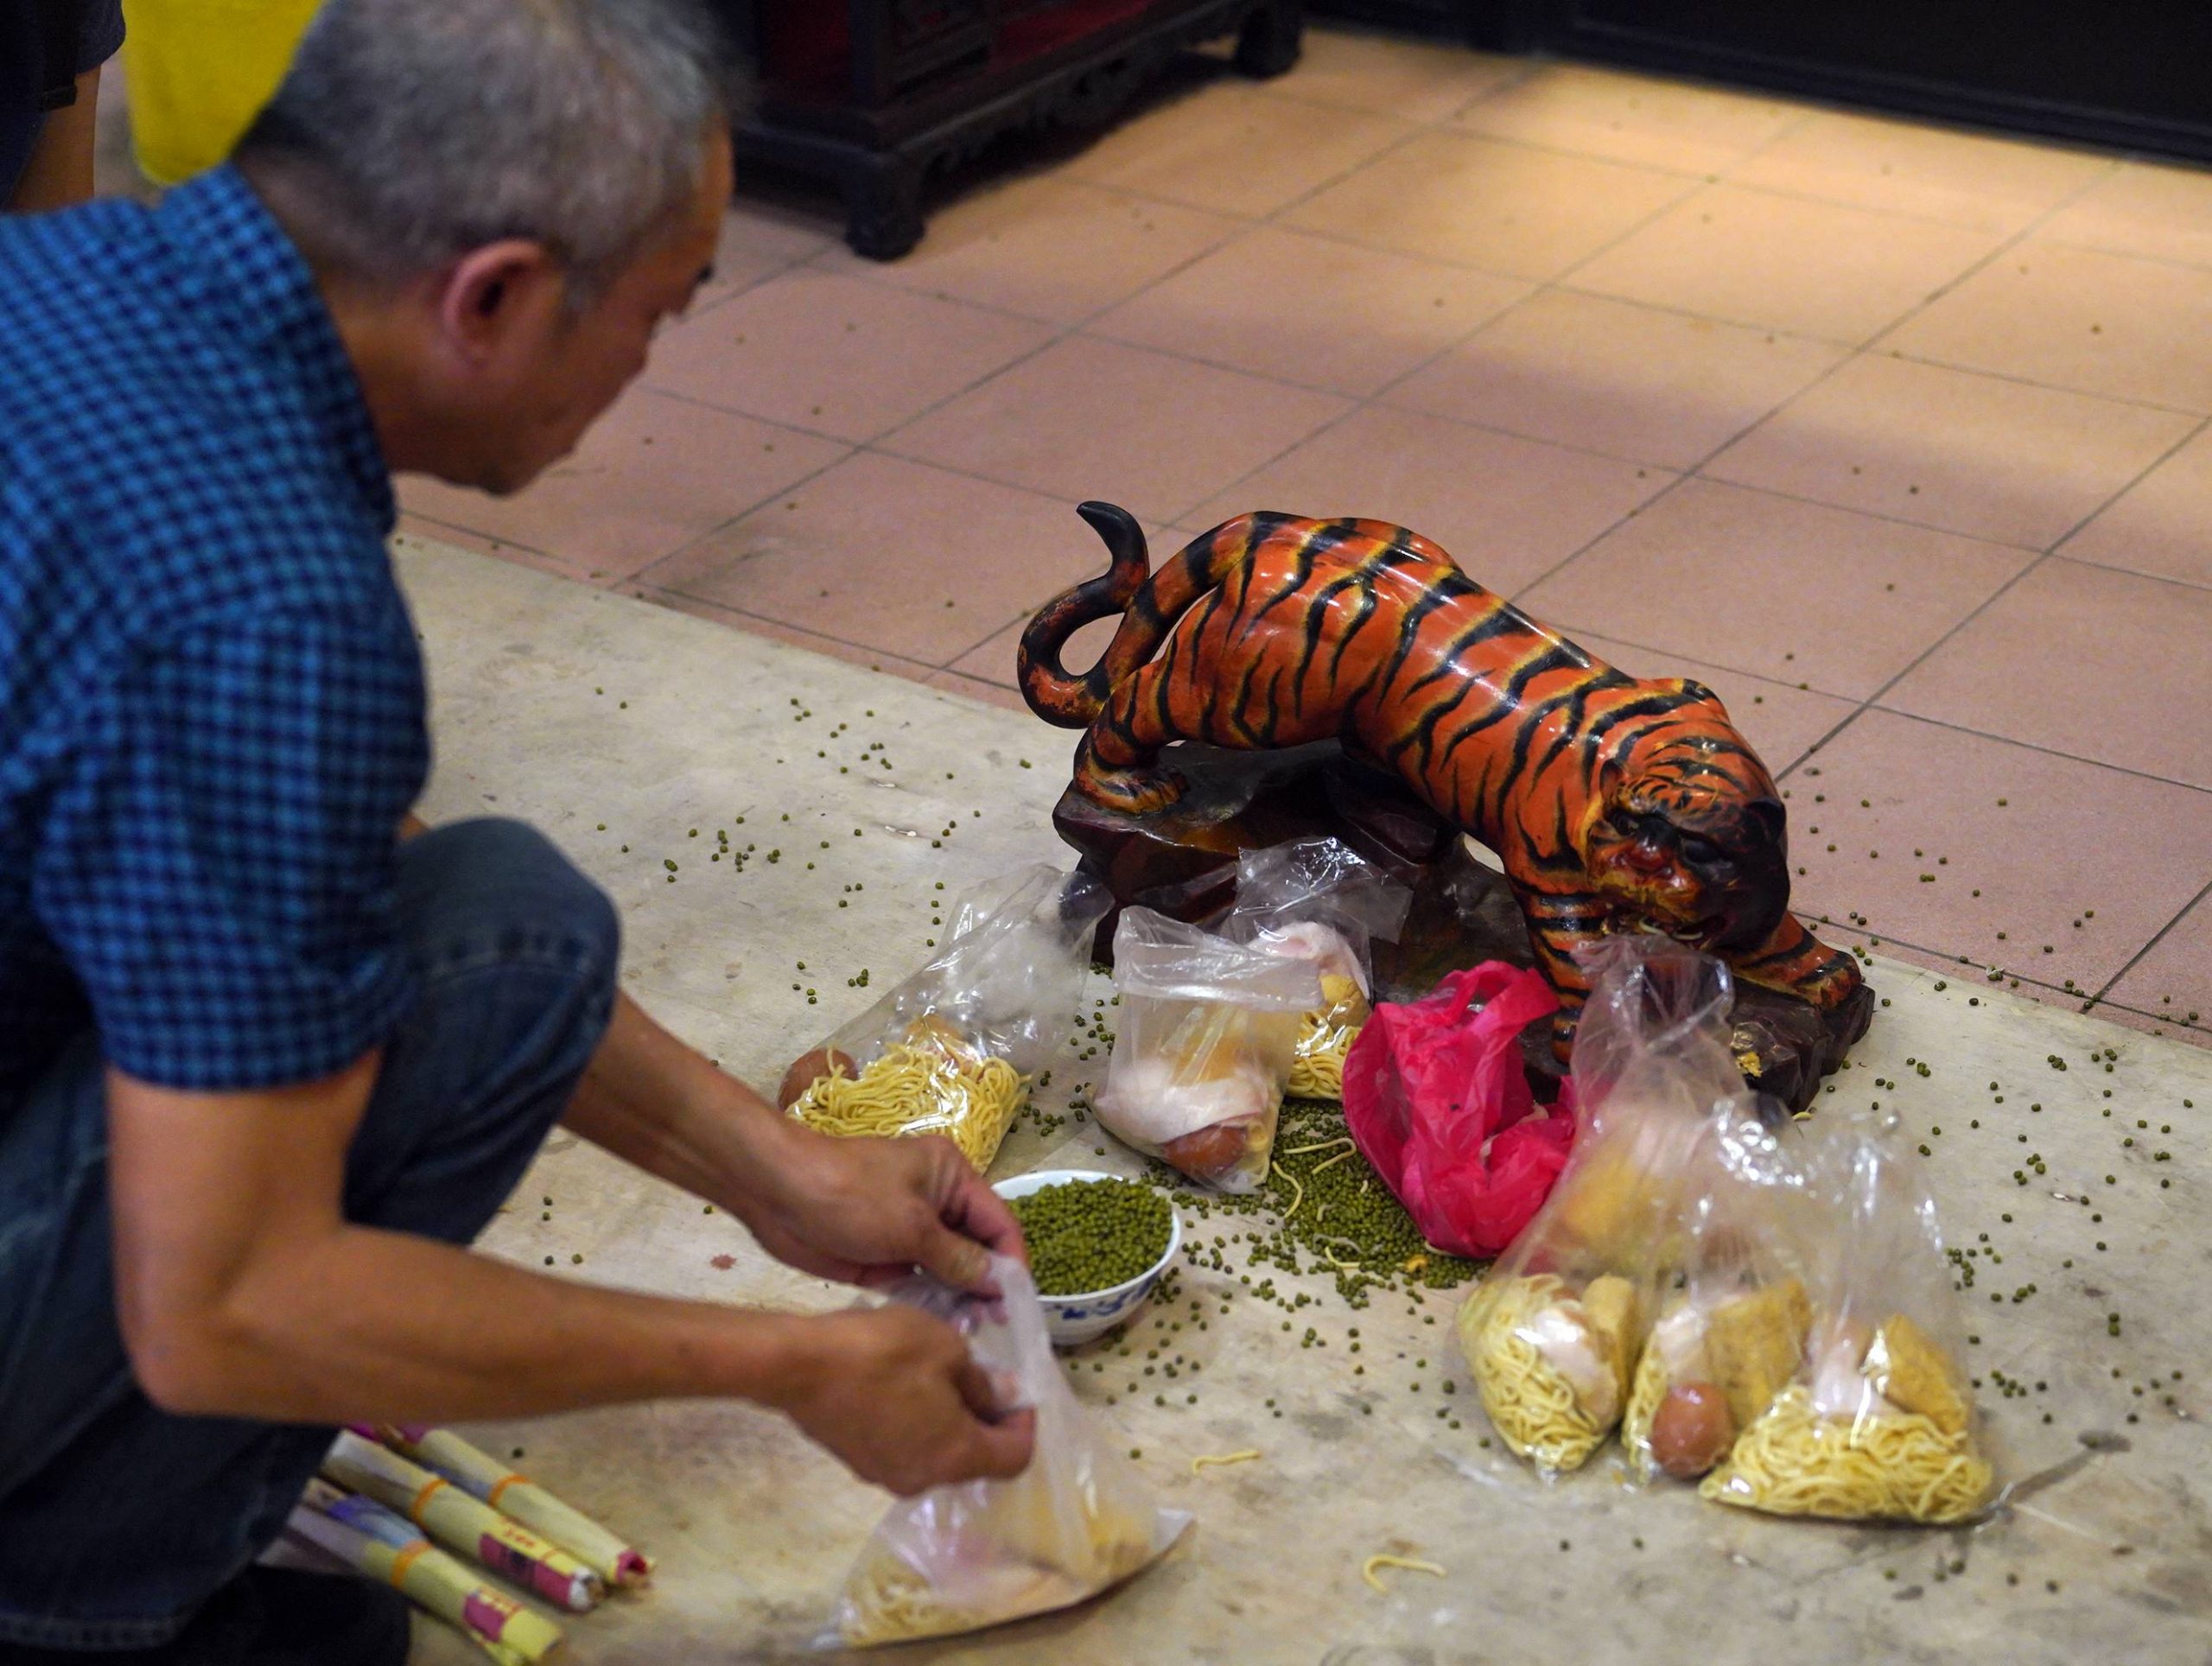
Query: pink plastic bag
pixel 1437 1102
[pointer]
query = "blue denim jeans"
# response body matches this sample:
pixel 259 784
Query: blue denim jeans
pixel 117 1519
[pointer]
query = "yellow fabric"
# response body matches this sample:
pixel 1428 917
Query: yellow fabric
pixel 198 71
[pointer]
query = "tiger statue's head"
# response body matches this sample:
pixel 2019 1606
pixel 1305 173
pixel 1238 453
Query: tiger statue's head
pixel 1688 832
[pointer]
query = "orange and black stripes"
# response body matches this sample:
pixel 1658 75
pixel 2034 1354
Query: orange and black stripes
pixel 1275 630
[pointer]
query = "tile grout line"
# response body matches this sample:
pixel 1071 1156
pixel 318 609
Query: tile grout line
pixel 2157 938
pixel 2047 554
pixel 2003 248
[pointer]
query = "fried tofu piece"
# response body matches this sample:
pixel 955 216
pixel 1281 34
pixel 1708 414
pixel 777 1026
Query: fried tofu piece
pixel 1909 1370
pixel 1755 1343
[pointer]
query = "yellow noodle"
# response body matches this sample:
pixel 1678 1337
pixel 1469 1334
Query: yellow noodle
pixel 889 1600
pixel 1531 1404
pixel 1896 1467
pixel 1367 1569
pixel 921 1088
pixel 1210 1459
pixel 1325 1038
pixel 1644 1398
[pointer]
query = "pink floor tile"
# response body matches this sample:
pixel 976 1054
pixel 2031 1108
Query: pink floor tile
pixel 835 354
pixel 993 661
pixel 2077 318
pixel 1780 720
pixel 2083 660
pixel 1991 458
pixel 1234 150
pixel 2172 982
pixel 1503 207
pixel 1046 247
pixel 1094 419
pixel 2161 211
pixel 1508 510
pixel 757 624
pixel 1911 167
pixel 2158 526
pixel 1783 264
pixel 1965 981
pixel 2063 846
pixel 1634 381
pixel 989 693
pixel 655 474
pixel 432 531
pixel 756 243
pixel 1790 591
pixel 1254 304
pixel 1636 118
pixel 892 556
pixel 1408 80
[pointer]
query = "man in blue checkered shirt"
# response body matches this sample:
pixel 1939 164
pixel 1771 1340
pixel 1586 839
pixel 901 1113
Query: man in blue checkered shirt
pixel 267 1065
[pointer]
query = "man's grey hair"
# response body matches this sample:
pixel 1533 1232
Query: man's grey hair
pixel 407 133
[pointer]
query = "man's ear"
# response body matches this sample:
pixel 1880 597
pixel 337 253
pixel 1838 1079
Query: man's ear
pixel 492 295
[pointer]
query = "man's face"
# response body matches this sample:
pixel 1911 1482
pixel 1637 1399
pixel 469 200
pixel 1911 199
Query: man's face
pixel 560 370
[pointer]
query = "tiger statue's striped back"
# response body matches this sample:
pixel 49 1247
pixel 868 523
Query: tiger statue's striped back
pixel 1613 802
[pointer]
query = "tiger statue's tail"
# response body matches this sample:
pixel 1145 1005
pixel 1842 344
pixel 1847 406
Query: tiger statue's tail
pixel 1148 603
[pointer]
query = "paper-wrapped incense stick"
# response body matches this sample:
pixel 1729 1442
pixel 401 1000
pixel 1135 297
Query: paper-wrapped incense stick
pixel 485 1477
pixel 465 1524
pixel 367 1537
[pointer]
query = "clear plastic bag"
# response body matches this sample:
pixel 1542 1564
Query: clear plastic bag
pixel 1877 1421
pixel 1317 901
pixel 1080 1520
pixel 1201 1049
pixel 1554 1332
pixel 1730 1328
pixel 953 1048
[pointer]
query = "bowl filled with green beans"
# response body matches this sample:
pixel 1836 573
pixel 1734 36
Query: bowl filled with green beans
pixel 1097 1245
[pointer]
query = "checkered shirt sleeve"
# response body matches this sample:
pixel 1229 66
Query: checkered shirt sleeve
pixel 218 866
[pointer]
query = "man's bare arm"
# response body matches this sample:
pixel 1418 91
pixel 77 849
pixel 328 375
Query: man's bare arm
pixel 242 1291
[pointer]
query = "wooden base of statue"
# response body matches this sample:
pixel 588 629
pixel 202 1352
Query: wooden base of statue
pixel 1182 861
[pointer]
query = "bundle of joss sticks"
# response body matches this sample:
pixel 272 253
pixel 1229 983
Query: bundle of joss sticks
pixel 386 1493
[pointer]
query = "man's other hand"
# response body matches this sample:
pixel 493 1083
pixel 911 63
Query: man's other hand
pixel 896 1396
pixel 869 1212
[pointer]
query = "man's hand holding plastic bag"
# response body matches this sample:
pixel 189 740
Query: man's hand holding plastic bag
pixel 1077 1522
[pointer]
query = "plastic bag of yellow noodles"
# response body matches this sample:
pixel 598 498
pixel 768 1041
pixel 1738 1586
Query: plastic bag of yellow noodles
pixel 1554 1332
pixel 1877 1421
pixel 1316 900
pixel 954 1048
pixel 1080 1520
pixel 1202 1047
pixel 1728 1332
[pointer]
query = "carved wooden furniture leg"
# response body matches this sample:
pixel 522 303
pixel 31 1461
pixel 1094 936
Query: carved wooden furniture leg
pixel 1268 46
pixel 883 205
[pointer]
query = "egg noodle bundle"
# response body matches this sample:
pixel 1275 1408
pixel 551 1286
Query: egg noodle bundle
pixel 1534 1405
pixel 1892 1466
pixel 1325 1038
pixel 1878 1421
pixel 930 1084
pixel 1732 1331
pixel 1555 1333
pixel 953 1049
pixel 1317 901
pixel 1076 1523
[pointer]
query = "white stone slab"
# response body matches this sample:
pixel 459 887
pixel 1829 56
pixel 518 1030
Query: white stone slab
pixel 754 1529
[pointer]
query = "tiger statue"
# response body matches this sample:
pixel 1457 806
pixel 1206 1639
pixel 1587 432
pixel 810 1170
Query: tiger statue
pixel 1613 802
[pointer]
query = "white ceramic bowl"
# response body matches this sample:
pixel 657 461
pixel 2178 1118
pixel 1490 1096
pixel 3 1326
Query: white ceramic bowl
pixel 1071 1320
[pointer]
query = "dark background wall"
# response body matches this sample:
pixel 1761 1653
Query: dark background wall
pixel 2134 73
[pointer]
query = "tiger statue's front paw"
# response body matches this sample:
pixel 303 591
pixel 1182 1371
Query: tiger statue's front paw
pixel 1131 791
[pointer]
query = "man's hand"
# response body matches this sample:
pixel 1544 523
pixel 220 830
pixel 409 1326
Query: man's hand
pixel 896 1396
pixel 869 1212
